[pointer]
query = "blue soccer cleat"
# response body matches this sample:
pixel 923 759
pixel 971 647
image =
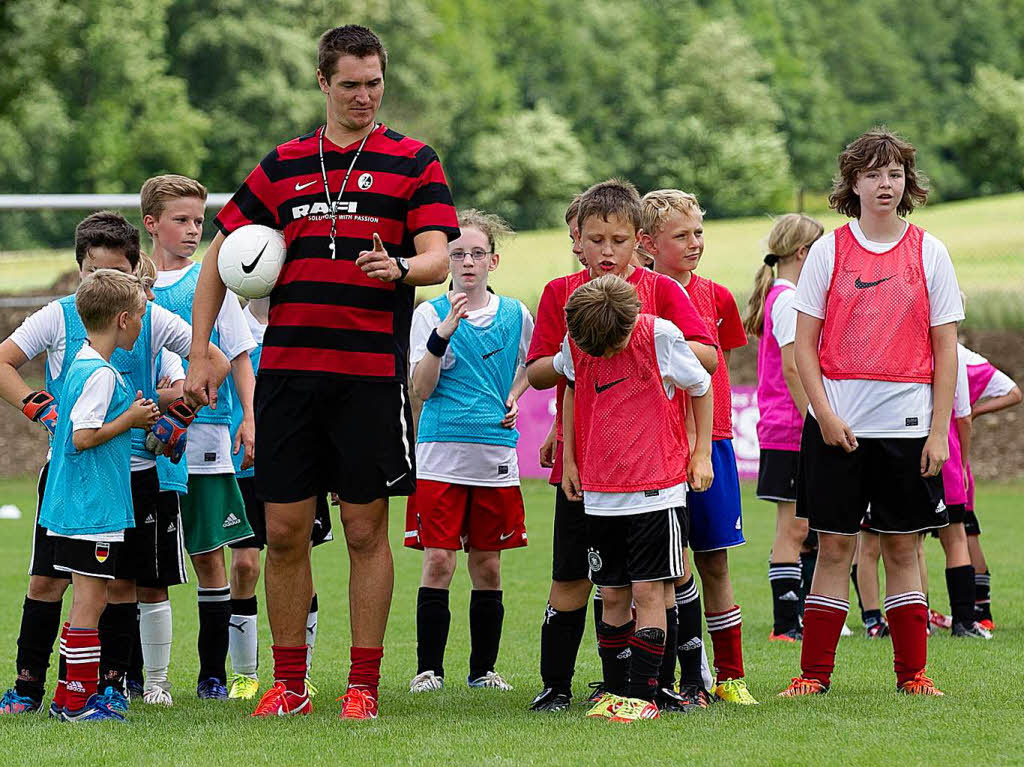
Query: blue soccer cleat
pixel 94 710
pixel 211 689
pixel 13 703
pixel 113 699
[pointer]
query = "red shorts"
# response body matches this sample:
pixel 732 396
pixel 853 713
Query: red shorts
pixel 442 515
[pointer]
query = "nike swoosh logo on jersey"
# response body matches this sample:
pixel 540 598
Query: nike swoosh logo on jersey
pixel 491 354
pixel 861 285
pixel 604 387
pixel 299 187
pixel 506 537
pixel 392 482
pixel 247 268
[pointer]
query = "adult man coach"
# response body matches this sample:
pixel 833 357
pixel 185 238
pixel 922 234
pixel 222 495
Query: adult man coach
pixel 367 215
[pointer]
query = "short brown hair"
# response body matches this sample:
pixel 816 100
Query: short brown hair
pixel 614 197
pixel 106 229
pixel 601 313
pixel 658 205
pixel 871 150
pixel 160 190
pixel 350 40
pixel 573 211
pixel 494 227
pixel 104 294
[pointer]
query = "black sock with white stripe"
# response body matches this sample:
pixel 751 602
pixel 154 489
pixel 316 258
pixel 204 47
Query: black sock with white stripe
pixel 689 640
pixel 784 578
pixel 667 676
pixel 983 596
pixel 214 619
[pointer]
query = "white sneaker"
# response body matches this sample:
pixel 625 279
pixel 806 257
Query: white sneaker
pixel 428 681
pixel 846 632
pixel 157 695
pixel 491 680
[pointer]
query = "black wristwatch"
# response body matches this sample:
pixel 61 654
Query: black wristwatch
pixel 403 267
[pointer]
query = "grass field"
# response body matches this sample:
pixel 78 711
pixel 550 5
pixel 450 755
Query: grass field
pixel 862 721
pixel 985 238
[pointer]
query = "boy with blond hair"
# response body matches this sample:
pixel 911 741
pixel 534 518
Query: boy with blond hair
pixel 628 461
pixel 673 225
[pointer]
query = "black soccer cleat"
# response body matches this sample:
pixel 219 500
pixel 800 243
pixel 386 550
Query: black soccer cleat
pixel 694 697
pixel 671 702
pixel 970 630
pixel 551 700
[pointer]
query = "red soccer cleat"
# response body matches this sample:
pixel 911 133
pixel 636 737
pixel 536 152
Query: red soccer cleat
pixel 278 701
pixel 919 685
pixel 939 620
pixel 803 686
pixel 358 703
pixel 988 624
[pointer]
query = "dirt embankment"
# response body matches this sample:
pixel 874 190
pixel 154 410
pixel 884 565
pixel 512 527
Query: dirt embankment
pixel 997 449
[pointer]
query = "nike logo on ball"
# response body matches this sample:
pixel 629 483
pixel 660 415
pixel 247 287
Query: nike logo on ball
pixel 861 285
pixel 299 187
pixel 247 268
pixel 604 387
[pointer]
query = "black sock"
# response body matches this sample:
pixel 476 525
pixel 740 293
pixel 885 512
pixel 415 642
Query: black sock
pixel 560 637
pixel 598 608
pixel 808 559
pixel 983 596
pixel 856 588
pixel 784 578
pixel 40 624
pixel 433 619
pixel 117 629
pixel 214 617
pixel 314 604
pixel 960 583
pixel 689 642
pixel 647 646
pixel 486 616
pixel 613 647
pixel 248 606
pixel 871 617
pixel 135 669
pixel 667 676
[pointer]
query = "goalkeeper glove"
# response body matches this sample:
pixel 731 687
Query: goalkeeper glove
pixel 169 434
pixel 39 406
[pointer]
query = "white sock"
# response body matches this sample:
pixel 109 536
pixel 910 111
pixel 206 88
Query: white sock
pixel 705 669
pixel 243 644
pixel 155 632
pixel 311 624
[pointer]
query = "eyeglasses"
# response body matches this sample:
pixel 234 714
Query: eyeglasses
pixel 478 254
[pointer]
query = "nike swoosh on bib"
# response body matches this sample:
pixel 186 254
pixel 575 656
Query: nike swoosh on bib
pixel 861 285
pixel 247 268
pixel 491 354
pixel 299 187
pixel 605 387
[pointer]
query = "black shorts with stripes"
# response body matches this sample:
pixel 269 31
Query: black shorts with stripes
pixel 647 546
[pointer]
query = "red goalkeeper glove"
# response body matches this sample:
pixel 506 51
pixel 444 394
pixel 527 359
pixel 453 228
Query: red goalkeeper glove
pixel 39 406
pixel 169 434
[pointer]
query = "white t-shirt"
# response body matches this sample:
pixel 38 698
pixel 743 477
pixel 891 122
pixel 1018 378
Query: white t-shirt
pixel 461 462
pixel 962 392
pixel 881 408
pixel 209 444
pixel 679 368
pixel 257 328
pixel 784 315
pixel 1000 384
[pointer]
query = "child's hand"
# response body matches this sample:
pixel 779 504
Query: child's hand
pixel 547 450
pixel 700 473
pixel 457 311
pixel 836 433
pixel 143 413
pixel 511 414
pixel 935 453
pixel 571 482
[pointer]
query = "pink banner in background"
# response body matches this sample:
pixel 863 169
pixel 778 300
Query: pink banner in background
pixel 537 410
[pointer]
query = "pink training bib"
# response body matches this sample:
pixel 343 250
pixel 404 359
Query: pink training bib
pixel 780 424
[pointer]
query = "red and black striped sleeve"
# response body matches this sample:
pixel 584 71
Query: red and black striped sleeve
pixel 430 207
pixel 255 202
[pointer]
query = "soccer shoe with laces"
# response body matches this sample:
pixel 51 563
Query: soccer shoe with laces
pixel 242 687
pixel 694 696
pixel 135 689
pixel 428 681
pixel 551 700
pixel 311 689
pixel 211 689
pixel 278 701
pixel 803 686
pixel 970 630
pixel 597 689
pixel 606 706
pixel 12 703
pixel 113 699
pixel 792 636
pixel 919 685
pixel 155 695
pixel 876 630
pixel 988 624
pixel 634 709
pixel 734 691
pixel 491 681
pixel 669 701
pixel 940 621
pixel 94 710
pixel 358 703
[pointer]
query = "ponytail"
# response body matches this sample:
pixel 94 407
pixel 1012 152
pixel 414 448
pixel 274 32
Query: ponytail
pixel 763 281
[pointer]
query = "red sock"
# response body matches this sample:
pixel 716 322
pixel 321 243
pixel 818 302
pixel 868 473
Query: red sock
pixel 290 667
pixel 365 671
pixel 823 623
pixel 60 693
pixel 907 614
pixel 726 631
pixel 83 661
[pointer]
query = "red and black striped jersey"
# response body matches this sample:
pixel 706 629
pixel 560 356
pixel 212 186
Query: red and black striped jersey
pixel 326 316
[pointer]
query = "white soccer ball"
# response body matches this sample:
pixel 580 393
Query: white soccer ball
pixel 250 260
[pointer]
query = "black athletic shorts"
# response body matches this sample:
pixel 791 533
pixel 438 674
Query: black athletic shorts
pixel 41 560
pixel 154 550
pixel 636 547
pixel 569 542
pixel 321 434
pixel 100 560
pixel 257 518
pixel 834 487
pixel 776 475
pixel 971 524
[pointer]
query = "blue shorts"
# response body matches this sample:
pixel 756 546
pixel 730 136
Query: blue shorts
pixel 716 515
